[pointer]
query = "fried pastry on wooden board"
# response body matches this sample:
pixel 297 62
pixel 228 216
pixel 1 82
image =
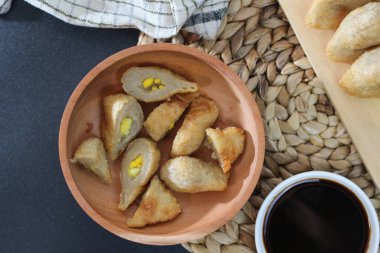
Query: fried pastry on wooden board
pixel 158 204
pixel 363 77
pixel 202 114
pixel 92 155
pixel 140 162
pixel 189 174
pixel 227 144
pixel 359 30
pixel 327 14
pixel 150 84
pixel 162 119
pixel 123 121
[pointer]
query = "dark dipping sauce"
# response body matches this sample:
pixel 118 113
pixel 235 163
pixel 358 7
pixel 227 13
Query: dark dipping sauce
pixel 316 216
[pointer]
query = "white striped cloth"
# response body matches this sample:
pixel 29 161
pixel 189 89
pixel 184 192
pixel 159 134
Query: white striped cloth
pixel 157 18
pixel 5 5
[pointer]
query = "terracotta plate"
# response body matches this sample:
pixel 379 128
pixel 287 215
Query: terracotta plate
pixel 202 213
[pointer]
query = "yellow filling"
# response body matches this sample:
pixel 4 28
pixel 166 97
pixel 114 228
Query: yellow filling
pixel 171 125
pixel 125 125
pixel 148 82
pixel 152 83
pixel 135 166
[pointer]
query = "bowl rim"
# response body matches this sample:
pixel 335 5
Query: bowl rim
pixel 161 239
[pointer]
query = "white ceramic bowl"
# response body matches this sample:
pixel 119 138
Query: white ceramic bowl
pixel 370 210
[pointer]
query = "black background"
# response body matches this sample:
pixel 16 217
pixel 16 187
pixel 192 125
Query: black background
pixel 42 59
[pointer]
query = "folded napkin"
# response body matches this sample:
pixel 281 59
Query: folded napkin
pixel 5 5
pixel 157 18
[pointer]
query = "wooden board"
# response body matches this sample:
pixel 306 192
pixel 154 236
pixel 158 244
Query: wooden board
pixel 360 116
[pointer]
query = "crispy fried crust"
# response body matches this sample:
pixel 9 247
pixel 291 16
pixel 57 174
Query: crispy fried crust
pixel 202 114
pixel 339 54
pixel 158 204
pixel 227 144
pixel 189 174
pixel 166 114
pixel 363 77
pixel 92 155
pixel 131 188
pixel 328 14
pixel 358 31
pixel 114 108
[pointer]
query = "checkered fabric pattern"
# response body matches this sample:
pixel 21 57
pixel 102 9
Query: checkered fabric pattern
pixel 157 18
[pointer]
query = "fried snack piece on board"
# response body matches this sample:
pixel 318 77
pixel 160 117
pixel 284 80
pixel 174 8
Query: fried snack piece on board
pixel 363 77
pixel 327 14
pixel 358 31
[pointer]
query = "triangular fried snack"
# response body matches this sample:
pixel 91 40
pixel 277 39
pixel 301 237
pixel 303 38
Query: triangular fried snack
pixel 227 144
pixel 158 204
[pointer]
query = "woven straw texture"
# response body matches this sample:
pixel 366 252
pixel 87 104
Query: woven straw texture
pixel 302 130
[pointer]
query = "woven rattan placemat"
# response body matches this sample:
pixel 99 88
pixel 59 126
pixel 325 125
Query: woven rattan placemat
pixel 302 130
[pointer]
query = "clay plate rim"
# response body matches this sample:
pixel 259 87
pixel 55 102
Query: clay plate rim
pixel 135 236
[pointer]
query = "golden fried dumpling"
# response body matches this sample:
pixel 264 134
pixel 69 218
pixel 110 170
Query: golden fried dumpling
pixel 327 14
pixel 189 174
pixel 158 204
pixel 150 84
pixel 202 114
pixel 363 77
pixel 358 31
pixel 123 121
pixel 92 155
pixel 140 162
pixel 227 144
pixel 162 119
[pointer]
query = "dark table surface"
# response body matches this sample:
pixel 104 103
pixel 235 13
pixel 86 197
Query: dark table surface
pixel 42 59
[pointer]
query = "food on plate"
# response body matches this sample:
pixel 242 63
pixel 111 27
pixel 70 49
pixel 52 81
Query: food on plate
pixel 227 145
pixel 159 166
pixel 327 14
pixel 202 114
pixel 162 119
pixel 92 155
pixel 363 77
pixel 359 30
pixel 189 174
pixel 150 84
pixel 158 204
pixel 123 121
pixel 140 162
